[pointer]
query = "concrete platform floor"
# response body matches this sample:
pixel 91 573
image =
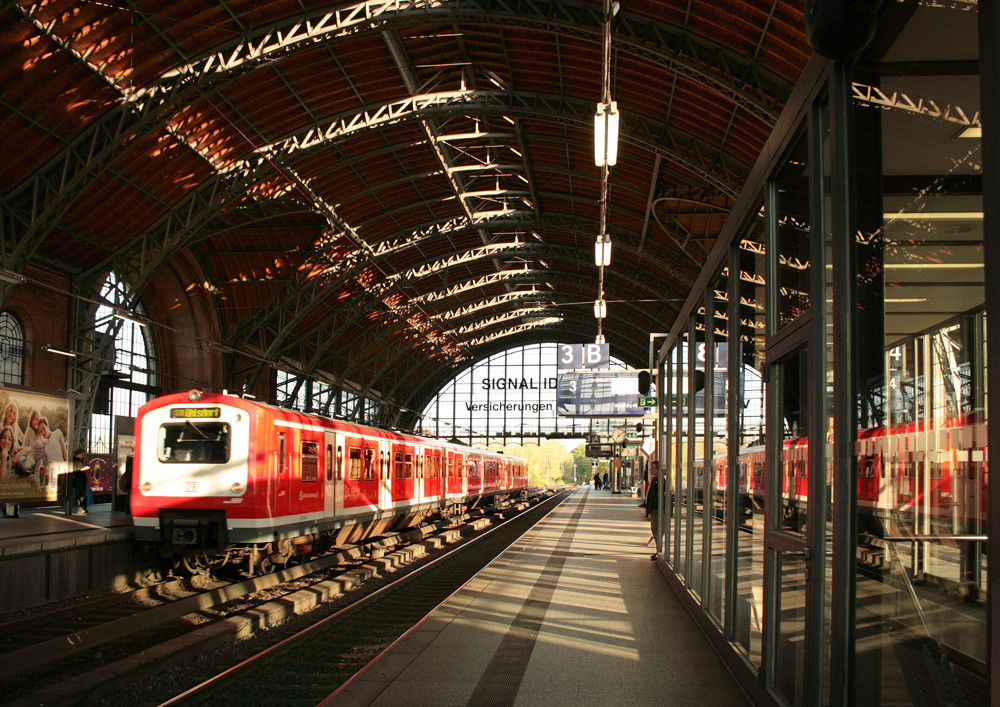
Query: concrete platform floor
pixel 575 613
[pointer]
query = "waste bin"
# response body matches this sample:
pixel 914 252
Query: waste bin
pixel 65 493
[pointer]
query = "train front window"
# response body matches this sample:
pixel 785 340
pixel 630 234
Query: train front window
pixel 190 441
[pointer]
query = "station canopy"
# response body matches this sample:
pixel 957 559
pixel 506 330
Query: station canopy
pixel 386 192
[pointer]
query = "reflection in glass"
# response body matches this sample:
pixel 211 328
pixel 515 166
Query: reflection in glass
pixel 716 446
pixel 696 450
pixel 749 333
pixel 683 468
pixel 793 233
pixel 790 652
pixel 792 468
pixel 922 475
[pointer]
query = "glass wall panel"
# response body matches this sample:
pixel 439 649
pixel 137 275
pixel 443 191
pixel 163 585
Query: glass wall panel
pixel 921 476
pixel 717 447
pixel 666 485
pixel 825 347
pixel 682 450
pixel 696 420
pixel 749 287
pixel 793 232
pixel 673 429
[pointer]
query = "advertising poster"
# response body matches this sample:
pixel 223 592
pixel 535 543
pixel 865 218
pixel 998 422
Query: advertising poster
pixel 33 445
pixel 101 475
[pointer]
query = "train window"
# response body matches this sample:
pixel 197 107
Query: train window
pixel 329 462
pixel 369 464
pixel 310 460
pixel 186 442
pixel 354 464
pixel 408 466
pixel 398 466
pixel 281 452
pixel 340 463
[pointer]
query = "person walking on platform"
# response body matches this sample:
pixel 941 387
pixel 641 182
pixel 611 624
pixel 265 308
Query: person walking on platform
pixel 78 481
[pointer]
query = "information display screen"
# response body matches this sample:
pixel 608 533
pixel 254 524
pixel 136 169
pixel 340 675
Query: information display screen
pixel 599 394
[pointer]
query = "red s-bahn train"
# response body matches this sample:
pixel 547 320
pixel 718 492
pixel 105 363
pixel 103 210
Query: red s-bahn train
pixel 218 478
pixel 923 478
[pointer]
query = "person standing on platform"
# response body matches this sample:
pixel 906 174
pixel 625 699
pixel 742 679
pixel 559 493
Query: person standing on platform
pixel 597 481
pixel 125 483
pixel 78 481
pixel 604 482
pixel 652 504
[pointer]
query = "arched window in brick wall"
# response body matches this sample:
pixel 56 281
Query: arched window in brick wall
pixel 11 349
pixel 129 376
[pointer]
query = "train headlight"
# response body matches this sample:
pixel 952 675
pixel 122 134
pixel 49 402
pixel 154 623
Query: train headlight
pixel 237 487
pixel 145 487
pixel 194 395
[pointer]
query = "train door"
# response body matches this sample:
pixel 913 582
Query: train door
pixel 371 484
pixel 361 478
pixel 385 471
pixel 396 472
pixel 461 473
pixel 286 442
pixel 472 473
pixel 410 472
pixel 432 473
pixel 307 474
pixel 329 462
pixel 418 473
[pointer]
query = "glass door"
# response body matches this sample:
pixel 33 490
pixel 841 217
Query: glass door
pixel 789 552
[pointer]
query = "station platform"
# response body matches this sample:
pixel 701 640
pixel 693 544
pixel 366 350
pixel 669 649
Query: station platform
pixel 47 555
pixel 34 528
pixel 574 613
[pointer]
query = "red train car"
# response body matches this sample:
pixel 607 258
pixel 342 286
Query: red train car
pixel 218 476
pixel 922 477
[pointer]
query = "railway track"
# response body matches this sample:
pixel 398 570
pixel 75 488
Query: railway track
pixel 74 654
pixel 308 666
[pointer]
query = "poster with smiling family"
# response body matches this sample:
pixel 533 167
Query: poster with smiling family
pixel 33 445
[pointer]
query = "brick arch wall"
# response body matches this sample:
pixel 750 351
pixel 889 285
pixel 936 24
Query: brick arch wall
pixel 184 321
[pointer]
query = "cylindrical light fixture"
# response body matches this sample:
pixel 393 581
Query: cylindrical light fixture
pixel 606 124
pixel 600 309
pixel 600 134
pixel 612 138
pixel 602 250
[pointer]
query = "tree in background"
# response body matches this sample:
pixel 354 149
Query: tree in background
pixel 550 456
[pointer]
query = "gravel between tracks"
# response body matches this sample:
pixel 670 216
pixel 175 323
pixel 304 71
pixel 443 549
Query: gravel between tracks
pixel 153 690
